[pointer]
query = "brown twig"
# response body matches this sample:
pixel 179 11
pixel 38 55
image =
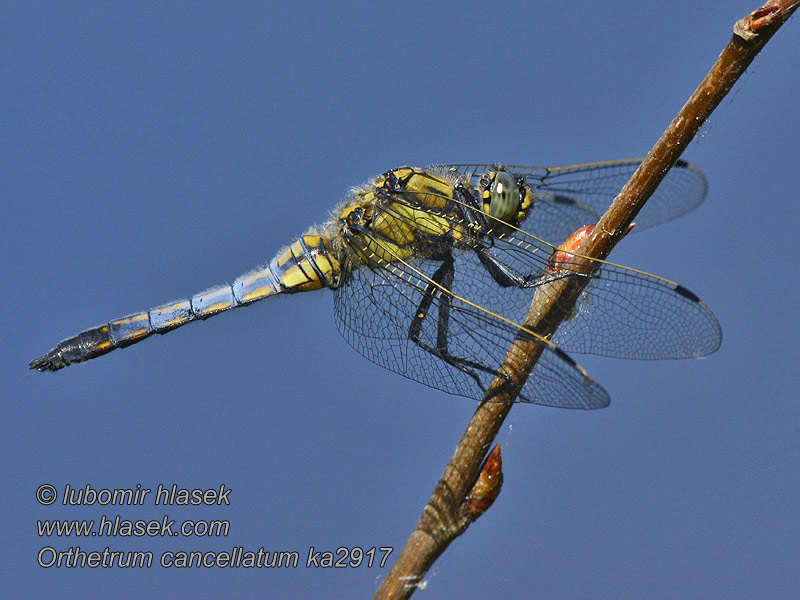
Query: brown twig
pixel 447 513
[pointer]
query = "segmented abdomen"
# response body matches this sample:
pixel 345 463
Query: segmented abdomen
pixel 303 266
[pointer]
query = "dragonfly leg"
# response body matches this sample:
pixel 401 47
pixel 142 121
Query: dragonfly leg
pixel 505 276
pixel 441 283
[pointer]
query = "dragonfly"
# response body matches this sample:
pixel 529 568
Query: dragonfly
pixel 433 271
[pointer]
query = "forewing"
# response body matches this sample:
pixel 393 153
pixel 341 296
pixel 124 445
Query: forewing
pixel 621 313
pixel 567 198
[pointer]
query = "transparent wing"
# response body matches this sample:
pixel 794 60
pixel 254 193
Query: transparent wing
pixel 567 198
pixel 622 312
pixel 377 306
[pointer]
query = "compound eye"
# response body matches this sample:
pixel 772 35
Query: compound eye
pixel 505 199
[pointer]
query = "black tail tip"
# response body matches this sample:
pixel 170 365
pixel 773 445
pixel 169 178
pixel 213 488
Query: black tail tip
pixel 44 363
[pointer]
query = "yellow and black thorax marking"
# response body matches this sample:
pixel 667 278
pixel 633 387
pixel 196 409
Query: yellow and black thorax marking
pixel 404 214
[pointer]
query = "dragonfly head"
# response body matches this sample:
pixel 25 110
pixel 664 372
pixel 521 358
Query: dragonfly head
pixel 504 196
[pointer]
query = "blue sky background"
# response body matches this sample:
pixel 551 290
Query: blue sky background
pixel 152 151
